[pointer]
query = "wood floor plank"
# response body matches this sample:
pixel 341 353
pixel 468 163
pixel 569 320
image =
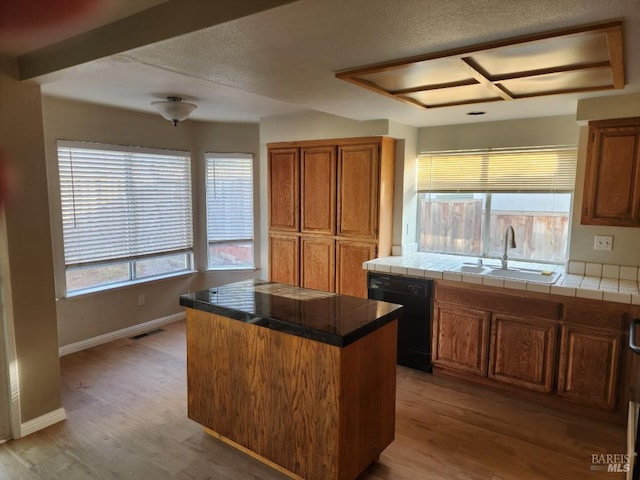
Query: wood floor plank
pixel 126 409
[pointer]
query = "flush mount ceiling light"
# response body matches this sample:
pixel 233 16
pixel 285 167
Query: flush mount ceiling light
pixel 579 59
pixel 174 109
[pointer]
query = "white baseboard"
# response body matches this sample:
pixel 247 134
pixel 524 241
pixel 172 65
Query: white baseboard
pixel 125 332
pixel 41 422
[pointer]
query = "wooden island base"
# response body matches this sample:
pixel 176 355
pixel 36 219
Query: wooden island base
pixel 312 410
pixel 246 451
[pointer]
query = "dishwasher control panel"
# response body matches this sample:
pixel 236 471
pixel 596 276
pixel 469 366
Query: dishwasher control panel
pixel 406 285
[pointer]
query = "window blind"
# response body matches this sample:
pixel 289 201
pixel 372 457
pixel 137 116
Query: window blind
pixel 550 169
pixel 229 197
pixel 123 202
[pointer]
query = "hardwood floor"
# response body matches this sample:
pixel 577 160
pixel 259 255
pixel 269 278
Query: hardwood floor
pixel 126 409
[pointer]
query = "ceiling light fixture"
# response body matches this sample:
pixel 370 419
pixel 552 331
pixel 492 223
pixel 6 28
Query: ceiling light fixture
pixel 174 109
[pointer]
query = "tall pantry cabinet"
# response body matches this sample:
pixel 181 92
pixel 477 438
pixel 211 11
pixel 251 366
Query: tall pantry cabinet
pixel 330 210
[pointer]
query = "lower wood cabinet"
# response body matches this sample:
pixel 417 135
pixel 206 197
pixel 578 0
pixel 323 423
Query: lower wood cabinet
pixel 588 370
pixel 317 257
pixel 321 263
pixel 460 338
pixel 283 259
pixel 522 352
pixel 351 279
pixel 570 349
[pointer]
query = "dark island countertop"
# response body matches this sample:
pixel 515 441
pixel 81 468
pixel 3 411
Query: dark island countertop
pixel 324 317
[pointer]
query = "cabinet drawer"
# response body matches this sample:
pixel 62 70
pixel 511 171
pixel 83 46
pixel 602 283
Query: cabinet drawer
pixel 595 314
pixel 500 302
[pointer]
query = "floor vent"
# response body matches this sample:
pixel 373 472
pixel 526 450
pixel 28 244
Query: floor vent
pixel 146 334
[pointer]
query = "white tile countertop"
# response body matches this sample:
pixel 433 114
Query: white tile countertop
pixel 613 283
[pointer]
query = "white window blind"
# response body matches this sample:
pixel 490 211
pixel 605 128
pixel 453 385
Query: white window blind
pixel 230 209
pixel 550 169
pixel 123 202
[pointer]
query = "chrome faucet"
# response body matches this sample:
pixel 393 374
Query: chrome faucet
pixel 504 260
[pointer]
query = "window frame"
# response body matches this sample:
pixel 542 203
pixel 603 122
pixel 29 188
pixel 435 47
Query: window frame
pixel 250 157
pixel 131 261
pixel 567 157
pixel 485 237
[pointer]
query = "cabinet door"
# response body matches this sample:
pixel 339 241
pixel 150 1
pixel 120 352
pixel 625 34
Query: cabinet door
pixel 318 263
pixel 318 174
pixel 358 190
pixel 284 251
pixel 460 338
pixel 588 370
pixel 284 189
pixel 522 352
pixel 351 279
pixel 612 179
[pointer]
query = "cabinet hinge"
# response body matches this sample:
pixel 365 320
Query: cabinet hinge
pixel 585 211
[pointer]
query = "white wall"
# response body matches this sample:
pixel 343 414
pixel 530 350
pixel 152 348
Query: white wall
pixel 561 130
pixel 405 211
pixel 26 257
pixel 86 316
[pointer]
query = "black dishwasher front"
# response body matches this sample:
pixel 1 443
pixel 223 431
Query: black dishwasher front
pixel 414 328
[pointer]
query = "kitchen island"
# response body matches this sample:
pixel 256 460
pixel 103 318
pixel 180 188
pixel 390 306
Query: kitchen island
pixel 303 380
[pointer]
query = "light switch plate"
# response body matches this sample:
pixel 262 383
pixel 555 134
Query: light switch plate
pixel 603 242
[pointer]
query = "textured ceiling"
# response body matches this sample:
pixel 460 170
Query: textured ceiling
pixel 284 59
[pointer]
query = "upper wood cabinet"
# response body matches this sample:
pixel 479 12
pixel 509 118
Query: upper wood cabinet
pixel 284 189
pixel 318 185
pixel 612 177
pixel 358 190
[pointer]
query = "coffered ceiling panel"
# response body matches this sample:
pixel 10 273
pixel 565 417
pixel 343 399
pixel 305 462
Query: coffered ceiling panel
pixel 580 59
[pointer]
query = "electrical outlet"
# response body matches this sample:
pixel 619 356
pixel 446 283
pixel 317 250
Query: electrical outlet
pixel 140 300
pixel 603 242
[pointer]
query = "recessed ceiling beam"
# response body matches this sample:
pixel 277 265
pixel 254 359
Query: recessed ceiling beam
pixel 462 62
pixel 167 20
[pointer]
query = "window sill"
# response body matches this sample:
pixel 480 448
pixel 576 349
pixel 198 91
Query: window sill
pixel 116 286
pixel 231 269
